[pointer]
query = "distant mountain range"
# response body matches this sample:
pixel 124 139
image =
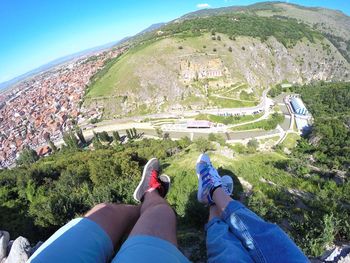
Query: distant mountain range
pixel 9 83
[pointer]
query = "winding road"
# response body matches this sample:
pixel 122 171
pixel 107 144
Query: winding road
pixel 176 133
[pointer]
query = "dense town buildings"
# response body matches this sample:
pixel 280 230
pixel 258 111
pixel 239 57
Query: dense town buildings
pixel 46 105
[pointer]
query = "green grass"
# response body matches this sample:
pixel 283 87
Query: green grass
pixel 272 139
pixel 191 100
pixel 290 141
pixel 121 74
pixel 231 103
pixel 229 119
pixel 251 167
pixel 268 124
pixel 247 96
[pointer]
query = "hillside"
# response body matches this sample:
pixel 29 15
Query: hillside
pixel 332 22
pixel 223 58
pixel 304 187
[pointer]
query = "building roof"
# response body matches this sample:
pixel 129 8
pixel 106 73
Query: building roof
pixel 298 106
pixel 199 124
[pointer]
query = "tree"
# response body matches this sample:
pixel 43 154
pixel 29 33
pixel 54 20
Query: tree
pixel 134 132
pixel 71 142
pixel 202 144
pixel 116 136
pixel 52 146
pixel 103 136
pixel 159 132
pixel 253 145
pixel 230 49
pixel 217 138
pixel 214 49
pixel 128 134
pixel 97 143
pixel 218 38
pixel 184 142
pixel 80 135
pixel 94 120
pixel 27 156
pixel 166 136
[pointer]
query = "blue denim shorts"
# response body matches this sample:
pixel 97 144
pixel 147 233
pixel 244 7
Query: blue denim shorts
pixel 149 249
pixel 82 240
pixel 242 236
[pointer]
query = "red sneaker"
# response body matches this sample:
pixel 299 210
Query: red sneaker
pixel 151 180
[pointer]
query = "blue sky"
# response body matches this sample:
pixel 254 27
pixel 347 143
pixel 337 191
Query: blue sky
pixel 35 32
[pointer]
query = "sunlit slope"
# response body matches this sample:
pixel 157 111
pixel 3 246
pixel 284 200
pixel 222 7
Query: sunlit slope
pixel 207 62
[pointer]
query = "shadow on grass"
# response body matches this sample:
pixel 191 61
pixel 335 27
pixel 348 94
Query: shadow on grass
pixel 237 186
pixel 164 165
pixel 196 214
pixel 191 234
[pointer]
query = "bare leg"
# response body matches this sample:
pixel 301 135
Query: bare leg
pixel 221 199
pixel 213 212
pixel 116 220
pixel 157 219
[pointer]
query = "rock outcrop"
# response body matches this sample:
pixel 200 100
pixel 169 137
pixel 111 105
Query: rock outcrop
pixel 20 251
pixel 17 251
pixel 4 240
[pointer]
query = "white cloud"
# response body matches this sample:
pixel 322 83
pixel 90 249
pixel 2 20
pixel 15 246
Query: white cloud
pixel 203 5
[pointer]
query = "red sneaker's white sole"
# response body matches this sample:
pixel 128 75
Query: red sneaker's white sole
pixel 142 179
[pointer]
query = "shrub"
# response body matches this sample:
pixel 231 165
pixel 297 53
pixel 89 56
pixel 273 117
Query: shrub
pixel 27 156
pixel 202 144
pixel 253 145
pixel 217 138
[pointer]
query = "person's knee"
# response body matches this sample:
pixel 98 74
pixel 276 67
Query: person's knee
pixel 101 208
pixel 163 209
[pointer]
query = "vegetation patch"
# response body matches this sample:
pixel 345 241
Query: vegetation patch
pixel 268 124
pixel 230 103
pixel 227 120
pixel 290 141
pixel 287 31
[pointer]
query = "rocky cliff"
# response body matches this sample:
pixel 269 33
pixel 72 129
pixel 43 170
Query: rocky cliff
pixel 15 251
pixel 183 64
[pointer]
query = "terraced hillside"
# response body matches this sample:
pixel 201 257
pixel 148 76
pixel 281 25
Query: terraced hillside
pixel 217 60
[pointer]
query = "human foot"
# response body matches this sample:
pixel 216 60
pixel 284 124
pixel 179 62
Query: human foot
pixel 208 179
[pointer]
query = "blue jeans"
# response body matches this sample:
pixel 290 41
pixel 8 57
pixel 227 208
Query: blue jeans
pixel 242 236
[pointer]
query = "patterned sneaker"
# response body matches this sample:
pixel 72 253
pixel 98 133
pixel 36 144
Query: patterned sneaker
pixel 151 180
pixel 208 179
pixel 227 184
